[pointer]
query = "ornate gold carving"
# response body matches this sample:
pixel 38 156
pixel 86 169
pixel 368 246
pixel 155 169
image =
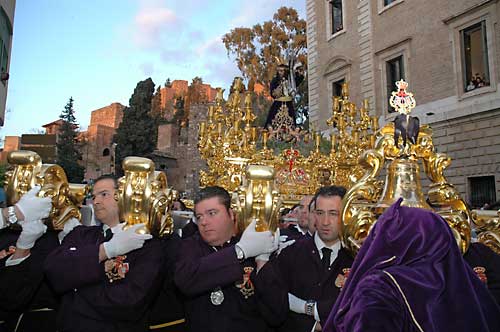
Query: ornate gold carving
pixel 257 199
pixel 144 197
pixel 364 202
pixel 28 171
pixel 229 142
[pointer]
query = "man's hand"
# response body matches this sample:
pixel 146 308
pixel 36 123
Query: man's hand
pixel 32 231
pixel 125 241
pixel 254 243
pixel 32 207
pixel 283 243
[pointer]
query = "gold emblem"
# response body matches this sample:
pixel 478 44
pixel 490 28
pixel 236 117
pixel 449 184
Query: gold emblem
pixel 342 278
pixel 246 287
pixel 481 273
pixel 116 268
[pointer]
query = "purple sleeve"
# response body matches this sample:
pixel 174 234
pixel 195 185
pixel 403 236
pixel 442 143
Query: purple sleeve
pixel 74 264
pixel 197 272
pixel 376 307
pixel 271 288
pixel 128 298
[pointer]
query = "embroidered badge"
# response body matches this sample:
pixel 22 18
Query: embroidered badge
pixel 342 277
pixel 246 287
pixel 7 252
pixel 217 296
pixel 481 273
pixel 116 268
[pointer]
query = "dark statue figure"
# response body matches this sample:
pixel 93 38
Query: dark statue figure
pixel 283 87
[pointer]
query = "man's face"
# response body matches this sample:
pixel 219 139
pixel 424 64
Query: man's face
pixel 327 215
pixel 105 205
pixel 304 211
pixel 215 222
pixel 281 71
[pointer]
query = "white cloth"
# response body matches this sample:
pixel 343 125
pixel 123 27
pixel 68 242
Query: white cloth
pixel 125 241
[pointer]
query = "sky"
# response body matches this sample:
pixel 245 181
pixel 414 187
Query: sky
pixel 96 51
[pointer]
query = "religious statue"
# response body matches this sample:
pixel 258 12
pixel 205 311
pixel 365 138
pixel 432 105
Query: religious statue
pixel 283 87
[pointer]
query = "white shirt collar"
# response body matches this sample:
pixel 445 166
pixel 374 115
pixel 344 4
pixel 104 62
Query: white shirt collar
pixel 300 230
pixel 113 229
pixel 320 245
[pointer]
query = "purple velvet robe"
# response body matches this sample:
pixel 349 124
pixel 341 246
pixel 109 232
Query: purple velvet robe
pixel 200 270
pixel 298 270
pixel 89 301
pixel 409 275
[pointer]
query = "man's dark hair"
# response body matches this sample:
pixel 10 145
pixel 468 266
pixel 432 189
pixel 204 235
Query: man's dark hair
pixel 214 191
pixel 108 177
pixel 328 191
pixel 183 206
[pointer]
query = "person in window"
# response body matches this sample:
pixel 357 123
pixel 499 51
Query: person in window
pixel 409 275
pixel 471 86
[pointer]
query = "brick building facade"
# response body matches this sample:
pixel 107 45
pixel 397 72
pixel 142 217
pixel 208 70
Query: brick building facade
pixel 439 47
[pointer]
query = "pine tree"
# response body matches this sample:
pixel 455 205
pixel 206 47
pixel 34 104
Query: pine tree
pixel 137 133
pixel 67 152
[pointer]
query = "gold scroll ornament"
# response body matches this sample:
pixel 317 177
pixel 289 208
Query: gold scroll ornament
pixel 144 197
pixel 257 199
pixel 28 171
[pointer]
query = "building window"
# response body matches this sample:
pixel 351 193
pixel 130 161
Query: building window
pixel 475 57
pixel 337 88
pixel 336 16
pixel 482 191
pixel 395 72
pixel 105 152
pixel 388 2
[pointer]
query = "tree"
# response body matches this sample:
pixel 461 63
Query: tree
pixel 67 152
pixel 255 49
pixel 138 131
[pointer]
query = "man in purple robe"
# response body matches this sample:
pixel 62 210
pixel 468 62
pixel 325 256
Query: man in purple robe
pixel 26 301
pixel 107 275
pixel 214 267
pixel 300 285
pixel 486 264
pixel 409 275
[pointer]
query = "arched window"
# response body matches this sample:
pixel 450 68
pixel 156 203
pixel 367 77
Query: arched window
pixel 105 152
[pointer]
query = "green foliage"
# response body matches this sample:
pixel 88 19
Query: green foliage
pixel 138 131
pixel 67 152
pixel 3 169
pixel 255 49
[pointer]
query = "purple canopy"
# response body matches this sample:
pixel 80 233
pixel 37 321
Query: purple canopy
pixel 409 275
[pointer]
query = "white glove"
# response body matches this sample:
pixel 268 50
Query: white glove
pixel 254 243
pixel 33 207
pixel 32 231
pixel 68 227
pixel 283 243
pixel 296 305
pixel 124 241
pixel 265 257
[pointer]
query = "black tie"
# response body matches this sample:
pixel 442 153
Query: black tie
pixel 327 253
pixel 108 234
